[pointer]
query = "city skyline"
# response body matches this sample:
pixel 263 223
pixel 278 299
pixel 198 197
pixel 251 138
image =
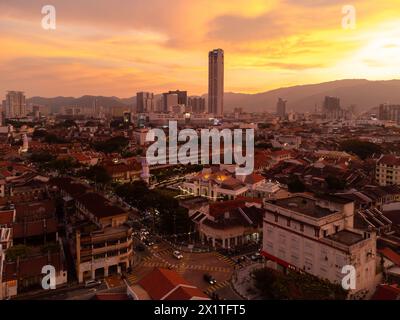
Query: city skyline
pixel 267 42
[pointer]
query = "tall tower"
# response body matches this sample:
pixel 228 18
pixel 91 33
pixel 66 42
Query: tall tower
pixel 281 108
pixel 144 102
pixel 216 82
pixel 145 175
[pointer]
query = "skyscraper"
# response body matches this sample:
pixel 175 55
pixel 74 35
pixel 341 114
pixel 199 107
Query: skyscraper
pixel 15 104
pixel 281 108
pixel 145 102
pixel 216 82
pixel 197 104
pixel 331 108
pixel 170 100
pixel 182 96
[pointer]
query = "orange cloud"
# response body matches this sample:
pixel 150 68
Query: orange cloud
pixel 120 47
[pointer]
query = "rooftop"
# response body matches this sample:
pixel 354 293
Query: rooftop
pixel 346 237
pixel 303 205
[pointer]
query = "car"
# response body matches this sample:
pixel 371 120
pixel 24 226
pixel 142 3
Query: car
pixel 148 243
pixel 255 257
pixel 177 255
pixel 92 283
pixel 209 279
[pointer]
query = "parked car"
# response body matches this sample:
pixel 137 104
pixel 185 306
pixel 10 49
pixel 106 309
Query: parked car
pixel 92 283
pixel 148 243
pixel 177 255
pixel 255 257
pixel 209 279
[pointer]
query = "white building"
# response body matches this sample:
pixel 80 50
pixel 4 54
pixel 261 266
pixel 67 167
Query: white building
pixel 317 236
pixel 216 183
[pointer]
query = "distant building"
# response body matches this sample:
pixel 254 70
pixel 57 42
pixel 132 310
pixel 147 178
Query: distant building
pixel 15 106
pixel 387 170
pixel 182 96
pixel 72 111
pixel 144 102
pixel 281 108
pixel 216 82
pixel 197 104
pixel 128 117
pixel 332 109
pixel 170 100
pixel 389 113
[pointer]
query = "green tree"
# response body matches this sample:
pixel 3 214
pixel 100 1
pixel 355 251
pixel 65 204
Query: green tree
pixel 363 149
pixel 334 183
pixel 114 144
pixel 295 184
pixel 63 165
pixel 41 157
pixel 97 174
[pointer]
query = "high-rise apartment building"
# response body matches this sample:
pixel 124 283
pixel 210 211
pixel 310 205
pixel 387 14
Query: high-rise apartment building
pixel 332 109
pixel 389 112
pixel 281 108
pixel 197 104
pixel 174 98
pixel 145 102
pixel 182 96
pixel 170 100
pixel 216 82
pixel 15 106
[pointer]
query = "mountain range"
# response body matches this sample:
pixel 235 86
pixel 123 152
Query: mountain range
pixel 364 94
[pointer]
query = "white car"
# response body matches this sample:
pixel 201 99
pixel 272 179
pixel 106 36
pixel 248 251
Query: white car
pixel 178 255
pixel 92 283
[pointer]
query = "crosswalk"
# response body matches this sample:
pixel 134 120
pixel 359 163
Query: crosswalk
pixel 132 278
pixel 180 268
pixel 216 287
pixel 225 259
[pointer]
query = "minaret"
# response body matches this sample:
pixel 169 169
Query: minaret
pixel 25 144
pixel 145 175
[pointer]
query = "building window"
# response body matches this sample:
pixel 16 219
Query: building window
pixel 276 218
pixel 325 233
pixel 316 230
pixel 301 227
pixel 288 222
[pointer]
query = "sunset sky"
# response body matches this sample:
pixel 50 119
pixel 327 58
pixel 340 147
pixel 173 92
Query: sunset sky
pixel 119 47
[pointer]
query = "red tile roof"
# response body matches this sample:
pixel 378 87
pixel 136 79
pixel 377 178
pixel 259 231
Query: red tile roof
pixel 186 293
pixel 390 160
pixel 161 284
pixel 6 217
pixel 391 255
pixel 386 292
pixel 218 208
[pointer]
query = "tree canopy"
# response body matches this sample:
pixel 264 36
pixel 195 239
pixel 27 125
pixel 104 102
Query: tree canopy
pixel 363 149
